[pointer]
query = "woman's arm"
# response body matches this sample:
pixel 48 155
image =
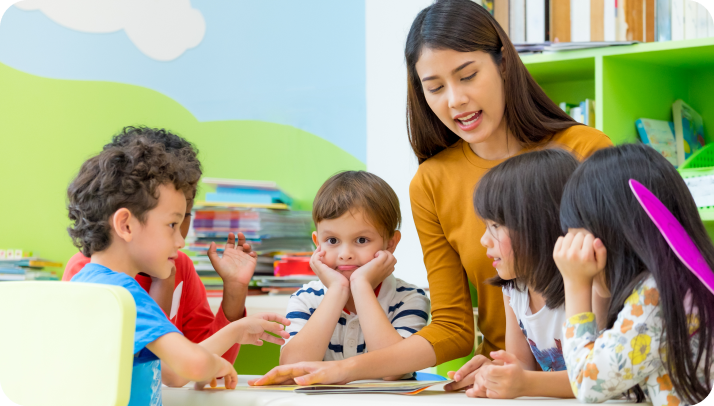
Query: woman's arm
pixel 451 332
pixel 408 355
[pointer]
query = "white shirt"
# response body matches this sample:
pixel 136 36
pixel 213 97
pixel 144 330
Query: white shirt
pixel 405 305
pixel 543 331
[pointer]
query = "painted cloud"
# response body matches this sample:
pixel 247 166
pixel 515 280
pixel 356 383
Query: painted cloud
pixel 161 29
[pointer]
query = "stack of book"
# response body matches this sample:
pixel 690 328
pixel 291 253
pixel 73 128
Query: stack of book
pixel 27 269
pixel 605 21
pixel 583 112
pixel 259 210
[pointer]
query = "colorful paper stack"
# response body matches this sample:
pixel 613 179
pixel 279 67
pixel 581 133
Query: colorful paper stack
pixel 261 211
pixel 27 269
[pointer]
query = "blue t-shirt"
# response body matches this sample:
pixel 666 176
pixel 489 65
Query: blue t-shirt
pixel 151 323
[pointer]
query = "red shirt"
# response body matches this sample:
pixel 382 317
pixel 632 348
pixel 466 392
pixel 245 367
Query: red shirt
pixel 190 312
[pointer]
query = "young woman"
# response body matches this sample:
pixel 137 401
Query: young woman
pixel 660 326
pixel 471 104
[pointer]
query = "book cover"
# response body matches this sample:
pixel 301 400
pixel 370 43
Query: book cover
pixel 703 18
pixel 677 20
pixel 580 20
pixel 659 135
pixel 690 19
pixel 517 24
pixel 535 25
pixel 649 25
pixel 560 20
pixel 500 13
pixel 634 10
pixel 688 130
pixel 663 14
pixel 597 20
pixel 620 24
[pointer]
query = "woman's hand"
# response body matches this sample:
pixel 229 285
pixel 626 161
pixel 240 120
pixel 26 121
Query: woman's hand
pixel 505 381
pixel 327 275
pixel 306 373
pixel 466 375
pixel 579 256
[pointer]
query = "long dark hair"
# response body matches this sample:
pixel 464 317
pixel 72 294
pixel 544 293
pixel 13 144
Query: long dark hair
pixel 464 26
pixel 598 198
pixel 523 194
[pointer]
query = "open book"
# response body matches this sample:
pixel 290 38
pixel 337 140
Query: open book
pixel 397 388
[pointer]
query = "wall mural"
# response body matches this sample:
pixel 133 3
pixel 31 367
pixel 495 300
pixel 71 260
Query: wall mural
pixel 267 90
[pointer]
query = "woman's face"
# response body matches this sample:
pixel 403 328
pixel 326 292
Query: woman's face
pixel 465 90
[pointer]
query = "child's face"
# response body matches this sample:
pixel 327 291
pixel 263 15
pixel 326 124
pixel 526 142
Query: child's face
pixel 154 247
pixel 348 241
pixel 498 248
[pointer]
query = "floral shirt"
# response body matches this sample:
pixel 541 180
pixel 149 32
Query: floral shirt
pixel 605 366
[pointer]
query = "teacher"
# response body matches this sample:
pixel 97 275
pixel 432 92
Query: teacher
pixel 471 104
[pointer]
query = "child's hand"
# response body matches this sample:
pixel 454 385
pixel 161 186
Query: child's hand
pixel 579 257
pixel 376 270
pixel 254 329
pixel 328 276
pixel 238 261
pixel 226 371
pixel 465 376
pixel 506 381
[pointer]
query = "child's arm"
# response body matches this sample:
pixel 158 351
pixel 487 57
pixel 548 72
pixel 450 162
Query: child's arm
pixel 516 372
pixel 380 332
pixel 309 341
pixel 235 267
pixel 377 329
pixel 602 367
pixel 191 361
pixel 248 330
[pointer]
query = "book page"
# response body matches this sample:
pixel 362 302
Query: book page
pixel 702 189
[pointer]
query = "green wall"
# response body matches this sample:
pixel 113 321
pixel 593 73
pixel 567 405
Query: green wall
pixel 48 127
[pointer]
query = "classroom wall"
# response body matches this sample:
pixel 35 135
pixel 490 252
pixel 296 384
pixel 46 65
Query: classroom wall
pixel 389 154
pixel 266 90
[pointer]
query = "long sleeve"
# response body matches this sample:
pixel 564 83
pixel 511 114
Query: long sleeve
pixel 605 366
pixel 451 331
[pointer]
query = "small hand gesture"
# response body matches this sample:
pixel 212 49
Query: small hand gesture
pixel 376 270
pixel 579 257
pixel 254 329
pixel 327 275
pixel 238 261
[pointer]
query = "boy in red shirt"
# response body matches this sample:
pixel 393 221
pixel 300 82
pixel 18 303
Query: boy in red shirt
pixel 182 296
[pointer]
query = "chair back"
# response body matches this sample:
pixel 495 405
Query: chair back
pixel 66 343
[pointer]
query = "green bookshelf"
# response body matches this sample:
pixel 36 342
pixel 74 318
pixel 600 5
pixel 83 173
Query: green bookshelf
pixel 631 82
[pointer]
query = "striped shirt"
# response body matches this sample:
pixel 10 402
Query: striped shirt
pixel 407 308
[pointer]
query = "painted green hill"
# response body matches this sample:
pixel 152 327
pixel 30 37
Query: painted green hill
pixel 48 127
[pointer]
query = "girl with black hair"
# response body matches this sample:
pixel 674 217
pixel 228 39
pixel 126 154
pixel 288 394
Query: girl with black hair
pixel 520 203
pixel 660 325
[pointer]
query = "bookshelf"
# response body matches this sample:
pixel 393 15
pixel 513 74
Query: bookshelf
pixel 631 82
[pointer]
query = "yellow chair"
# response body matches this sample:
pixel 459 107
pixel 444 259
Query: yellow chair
pixel 66 343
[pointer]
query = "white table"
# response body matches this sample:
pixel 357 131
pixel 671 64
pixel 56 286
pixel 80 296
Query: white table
pixel 435 395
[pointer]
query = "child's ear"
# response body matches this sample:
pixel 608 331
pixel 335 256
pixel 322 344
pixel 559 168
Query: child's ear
pixel 122 224
pixel 314 238
pixel 394 241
